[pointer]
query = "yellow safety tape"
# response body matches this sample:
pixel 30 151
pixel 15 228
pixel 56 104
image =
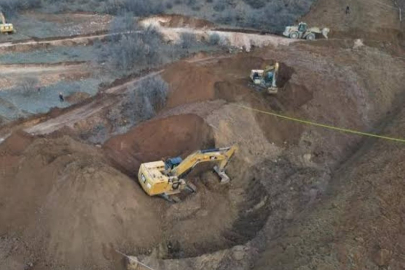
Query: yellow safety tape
pixel 345 130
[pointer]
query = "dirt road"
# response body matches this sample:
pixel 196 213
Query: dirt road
pixel 71 117
pixel 10 70
pixel 25 45
pixel 172 29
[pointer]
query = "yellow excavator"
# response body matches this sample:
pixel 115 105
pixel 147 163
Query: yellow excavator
pixel 266 78
pixel 166 178
pixel 5 28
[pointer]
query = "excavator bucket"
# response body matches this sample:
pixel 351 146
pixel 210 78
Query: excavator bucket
pixel 272 90
pixel 224 177
pixel 325 32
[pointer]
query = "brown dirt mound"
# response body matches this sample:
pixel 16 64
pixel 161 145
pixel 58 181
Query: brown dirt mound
pixel 274 129
pixel 157 139
pixel 65 206
pixel 189 83
pixel 16 144
pixel 77 97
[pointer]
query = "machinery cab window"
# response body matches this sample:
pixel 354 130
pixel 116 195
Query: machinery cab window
pixel 302 27
pixel 172 163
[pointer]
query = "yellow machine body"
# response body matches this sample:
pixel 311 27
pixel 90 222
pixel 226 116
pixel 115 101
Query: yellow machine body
pixel 5 28
pixel 261 78
pixel 156 178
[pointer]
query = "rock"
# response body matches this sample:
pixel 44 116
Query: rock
pixel 202 213
pixel 359 239
pixel 28 266
pixel 358 43
pixel 383 257
pixel 307 157
pixel 238 253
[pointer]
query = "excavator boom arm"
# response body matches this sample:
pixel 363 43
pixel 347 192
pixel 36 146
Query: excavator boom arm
pixel 3 19
pixel 218 155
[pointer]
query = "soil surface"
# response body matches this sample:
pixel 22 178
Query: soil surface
pixel 159 139
pixel 300 197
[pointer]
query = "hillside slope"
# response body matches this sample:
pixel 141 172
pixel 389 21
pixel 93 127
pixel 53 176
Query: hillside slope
pixel 358 222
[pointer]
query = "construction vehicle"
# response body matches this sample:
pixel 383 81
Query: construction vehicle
pixel 266 78
pixel 301 31
pixel 166 178
pixel 5 28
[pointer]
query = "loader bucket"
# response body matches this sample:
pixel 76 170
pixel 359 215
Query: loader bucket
pixel 325 32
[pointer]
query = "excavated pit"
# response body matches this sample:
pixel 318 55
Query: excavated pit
pixel 217 216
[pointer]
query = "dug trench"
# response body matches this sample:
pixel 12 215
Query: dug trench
pixel 217 216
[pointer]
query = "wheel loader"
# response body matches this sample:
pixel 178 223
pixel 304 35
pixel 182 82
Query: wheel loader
pixel 301 31
pixel 167 178
pixel 266 78
pixel 5 28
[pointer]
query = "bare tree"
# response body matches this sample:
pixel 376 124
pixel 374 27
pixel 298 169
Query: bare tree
pixel 145 99
pixel 28 86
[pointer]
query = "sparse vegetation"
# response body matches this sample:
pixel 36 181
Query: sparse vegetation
pixel 187 40
pixel 11 7
pixel 130 50
pixel 145 99
pixel 142 102
pixel 214 39
pixel 137 50
pixel 28 86
pixel 271 15
pixel 256 4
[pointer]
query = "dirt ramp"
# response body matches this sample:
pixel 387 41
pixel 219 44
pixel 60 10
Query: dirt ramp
pixel 66 206
pixel 274 129
pixel 157 139
pixel 189 83
pixel 16 143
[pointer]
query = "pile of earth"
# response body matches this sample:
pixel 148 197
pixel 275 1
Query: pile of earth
pixel 63 206
pixel 66 206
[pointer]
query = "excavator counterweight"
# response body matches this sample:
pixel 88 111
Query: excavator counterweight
pixel 166 178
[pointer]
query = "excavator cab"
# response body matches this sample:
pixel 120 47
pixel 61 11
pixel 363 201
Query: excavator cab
pixel 172 163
